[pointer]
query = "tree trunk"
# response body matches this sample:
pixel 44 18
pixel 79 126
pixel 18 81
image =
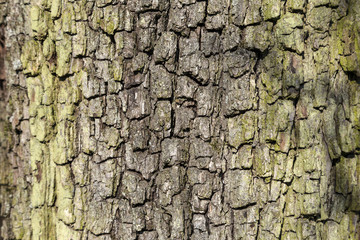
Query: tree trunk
pixel 181 119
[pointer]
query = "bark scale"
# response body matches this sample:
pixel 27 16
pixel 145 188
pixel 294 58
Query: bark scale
pixel 181 119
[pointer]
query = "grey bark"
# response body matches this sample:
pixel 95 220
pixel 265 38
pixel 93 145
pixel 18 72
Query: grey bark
pixel 181 119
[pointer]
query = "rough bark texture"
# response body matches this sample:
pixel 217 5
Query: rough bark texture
pixel 180 119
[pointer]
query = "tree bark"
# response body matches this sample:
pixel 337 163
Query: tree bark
pixel 181 119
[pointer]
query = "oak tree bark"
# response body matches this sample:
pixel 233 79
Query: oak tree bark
pixel 180 119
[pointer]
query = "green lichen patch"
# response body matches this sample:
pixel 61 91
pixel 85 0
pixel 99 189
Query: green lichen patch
pixel 63 52
pixel 39 21
pixel 241 129
pixel 32 58
pixel 348 44
pixel 271 9
pixel 319 18
pixel 65 194
pixel 68 20
pixel 258 36
pixel 290 33
pixel 56 7
pixel 295 5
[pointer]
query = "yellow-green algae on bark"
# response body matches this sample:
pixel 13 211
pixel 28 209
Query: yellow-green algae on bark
pixel 183 119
